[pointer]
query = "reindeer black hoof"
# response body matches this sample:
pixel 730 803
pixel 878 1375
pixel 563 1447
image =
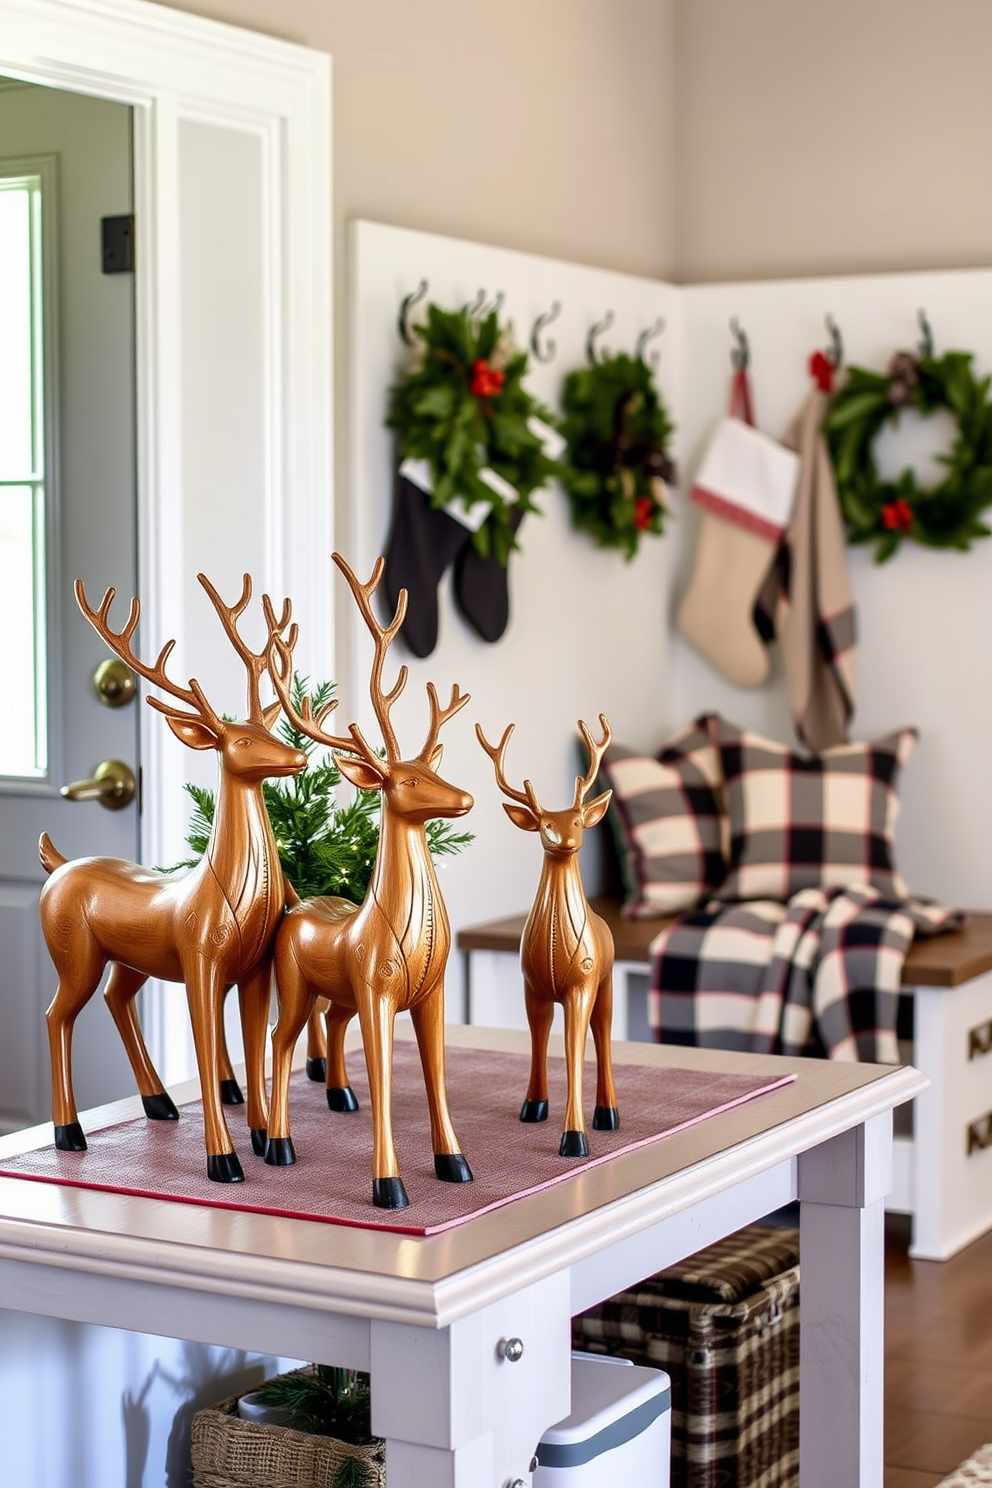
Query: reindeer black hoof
pixel 341 1098
pixel 231 1093
pixel 451 1167
pixel 317 1071
pixel 160 1107
pixel 606 1118
pixel 224 1167
pixel 534 1111
pixel 259 1140
pixel 70 1138
pixel 280 1152
pixel 389 1193
pixel 573 1144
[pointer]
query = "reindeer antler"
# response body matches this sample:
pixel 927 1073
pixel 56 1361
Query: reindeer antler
pixel 382 636
pixel 255 661
pixel 596 752
pixel 526 797
pixel 440 716
pixel 120 643
pixel 280 658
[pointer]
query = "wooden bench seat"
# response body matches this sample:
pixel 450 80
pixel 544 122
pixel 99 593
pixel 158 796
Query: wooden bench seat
pixel 943 1171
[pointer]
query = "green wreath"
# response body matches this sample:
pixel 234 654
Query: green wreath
pixel 616 430
pixel 889 512
pixel 463 408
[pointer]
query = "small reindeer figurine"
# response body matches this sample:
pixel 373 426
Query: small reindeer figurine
pixel 389 955
pixel 566 954
pixel 210 927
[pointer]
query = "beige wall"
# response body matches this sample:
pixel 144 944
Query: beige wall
pixel 832 136
pixel 544 125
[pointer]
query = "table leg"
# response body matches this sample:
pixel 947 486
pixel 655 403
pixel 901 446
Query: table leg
pixel 842 1188
pixel 455 1410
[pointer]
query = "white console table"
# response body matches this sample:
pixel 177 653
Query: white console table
pixel 428 1315
pixel 942 1172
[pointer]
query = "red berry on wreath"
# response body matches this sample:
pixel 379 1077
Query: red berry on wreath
pixel 897 516
pixel 487 381
pixel 822 370
pixel 643 513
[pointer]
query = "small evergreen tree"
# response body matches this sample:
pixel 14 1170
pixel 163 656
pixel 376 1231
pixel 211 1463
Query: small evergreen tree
pixel 324 848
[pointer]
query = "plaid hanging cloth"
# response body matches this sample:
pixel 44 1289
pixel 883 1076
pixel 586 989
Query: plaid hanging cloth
pixel 806 601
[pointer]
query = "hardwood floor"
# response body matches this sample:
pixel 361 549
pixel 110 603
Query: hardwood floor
pixel 938 1359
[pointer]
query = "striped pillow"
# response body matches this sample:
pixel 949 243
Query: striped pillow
pixel 810 821
pixel 668 820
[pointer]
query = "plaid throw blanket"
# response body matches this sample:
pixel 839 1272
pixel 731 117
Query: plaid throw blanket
pixel 818 975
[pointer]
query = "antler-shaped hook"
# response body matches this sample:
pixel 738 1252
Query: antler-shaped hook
pixel 640 346
pixel 836 341
pixel 595 331
pixel 926 334
pixel 740 354
pixel 408 302
pixel 545 353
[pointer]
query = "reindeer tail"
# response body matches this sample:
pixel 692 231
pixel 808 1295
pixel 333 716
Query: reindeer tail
pixel 49 854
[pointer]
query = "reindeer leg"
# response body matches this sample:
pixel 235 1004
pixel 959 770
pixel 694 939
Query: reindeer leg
pixel 340 1096
pixel 253 999
pixel 74 991
pixel 540 1016
pixel 296 1001
pixel 428 1024
pixel 230 1091
pixel 376 1015
pixel 606 1117
pixel 123 985
pixel 578 1008
pixel 317 1043
pixel 205 994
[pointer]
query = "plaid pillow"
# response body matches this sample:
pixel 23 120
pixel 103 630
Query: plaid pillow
pixel 668 820
pixel 810 821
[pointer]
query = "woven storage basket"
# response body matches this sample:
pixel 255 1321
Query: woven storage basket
pixel 725 1326
pixel 231 1453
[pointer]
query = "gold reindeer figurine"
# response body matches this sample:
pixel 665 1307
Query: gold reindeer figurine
pixel 566 954
pixel 209 927
pixel 388 955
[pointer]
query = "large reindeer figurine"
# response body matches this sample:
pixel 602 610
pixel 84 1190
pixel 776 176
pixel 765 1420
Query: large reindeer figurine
pixel 566 954
pixel 210 927
pixel 389 955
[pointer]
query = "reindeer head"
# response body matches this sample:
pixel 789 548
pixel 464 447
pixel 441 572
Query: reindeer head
pixel 561 831
pixel 248 749
pixel 411 788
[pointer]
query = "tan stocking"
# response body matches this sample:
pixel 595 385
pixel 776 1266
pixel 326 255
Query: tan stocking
pixel 716 613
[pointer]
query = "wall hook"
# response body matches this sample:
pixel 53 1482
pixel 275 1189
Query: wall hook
pixel 594 331
pixel 403 323
pixel 836 341
pixel 492 309
pixel 474 307
pixel 547 352
pixel 926 334
pixel 640 346
pixel 740 355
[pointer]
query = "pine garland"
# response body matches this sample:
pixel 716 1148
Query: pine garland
pixel 464 409
pixel 617 431
pixel 324 848
pixel 947 515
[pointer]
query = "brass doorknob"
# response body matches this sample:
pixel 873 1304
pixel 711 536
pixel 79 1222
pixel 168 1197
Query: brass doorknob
pixel 112 784
pixel 114 683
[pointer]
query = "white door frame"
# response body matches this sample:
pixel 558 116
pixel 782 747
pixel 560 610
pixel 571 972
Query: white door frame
pixel 171 67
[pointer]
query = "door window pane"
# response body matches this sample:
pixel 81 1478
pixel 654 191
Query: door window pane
pixel 23 736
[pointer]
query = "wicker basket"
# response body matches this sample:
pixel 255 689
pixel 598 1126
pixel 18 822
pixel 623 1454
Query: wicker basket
pixel 231 1453
pixel 725 1326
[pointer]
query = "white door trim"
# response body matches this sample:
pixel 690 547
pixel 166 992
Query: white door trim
pixel 171 67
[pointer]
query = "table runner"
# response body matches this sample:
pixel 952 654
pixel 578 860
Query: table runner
pixel 332 1180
